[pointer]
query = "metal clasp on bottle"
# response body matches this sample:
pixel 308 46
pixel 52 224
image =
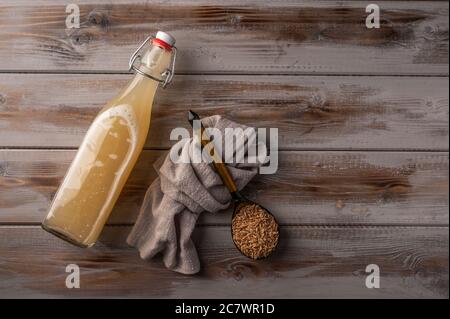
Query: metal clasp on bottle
pixel 166 76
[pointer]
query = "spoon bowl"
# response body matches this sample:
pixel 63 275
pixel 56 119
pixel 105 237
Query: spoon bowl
pixel 247 203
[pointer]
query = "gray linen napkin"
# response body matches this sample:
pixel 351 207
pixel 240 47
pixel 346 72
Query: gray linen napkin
pixel 176 198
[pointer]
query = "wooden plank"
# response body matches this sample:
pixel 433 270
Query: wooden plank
pixel 50 110
pixel 308 188
pixel 326 37
pixel 319 262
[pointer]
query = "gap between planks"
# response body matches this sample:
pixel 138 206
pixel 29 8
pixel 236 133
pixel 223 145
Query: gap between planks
pixel 281 149
pixel 293 225
pixel 229 73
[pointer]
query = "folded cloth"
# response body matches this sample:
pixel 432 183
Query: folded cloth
pixel 183 190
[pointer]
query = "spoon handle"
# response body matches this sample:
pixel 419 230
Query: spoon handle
pixel 219 165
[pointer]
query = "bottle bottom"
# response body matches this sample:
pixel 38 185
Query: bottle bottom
pixel 64 237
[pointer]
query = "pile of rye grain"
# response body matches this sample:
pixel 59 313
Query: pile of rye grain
pixel 254 231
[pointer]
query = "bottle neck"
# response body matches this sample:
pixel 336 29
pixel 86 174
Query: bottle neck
pixel 155 61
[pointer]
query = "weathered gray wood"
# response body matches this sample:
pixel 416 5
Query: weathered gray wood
pixel 310 262
pixel 310 112
pixel 340 210
pixel 328 37
pixel 309 187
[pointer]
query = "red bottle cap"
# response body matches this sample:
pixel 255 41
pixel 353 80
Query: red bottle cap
pixel 164 40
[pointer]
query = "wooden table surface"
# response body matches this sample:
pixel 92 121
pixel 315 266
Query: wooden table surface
pixel 363 123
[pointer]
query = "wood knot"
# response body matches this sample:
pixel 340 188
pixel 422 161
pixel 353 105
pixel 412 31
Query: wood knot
pixel 2 99
pixel 316 101
pixel 98 18
pixel 79 38
pixel 238 270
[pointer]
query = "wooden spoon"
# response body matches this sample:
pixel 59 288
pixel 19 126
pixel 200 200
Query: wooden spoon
pixel 239 201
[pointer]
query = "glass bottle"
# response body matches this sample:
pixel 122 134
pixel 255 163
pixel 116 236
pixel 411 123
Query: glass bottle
pixel 110 149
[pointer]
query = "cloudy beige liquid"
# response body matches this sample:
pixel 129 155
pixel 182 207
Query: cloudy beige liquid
pixel 105 158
